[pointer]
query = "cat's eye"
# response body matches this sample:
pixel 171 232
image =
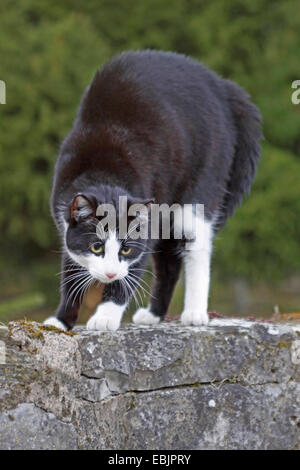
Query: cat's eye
pixel 126 252
pixel 96 248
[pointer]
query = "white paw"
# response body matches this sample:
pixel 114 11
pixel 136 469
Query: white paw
pixel 53 321
pixel 143 317
pixel 194 317
pixel 107 317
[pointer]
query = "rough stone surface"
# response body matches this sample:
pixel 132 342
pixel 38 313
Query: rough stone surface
pixel 230 385
pixel 29 427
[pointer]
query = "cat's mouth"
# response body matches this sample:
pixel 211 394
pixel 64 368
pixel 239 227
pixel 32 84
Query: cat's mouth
pixel 108 277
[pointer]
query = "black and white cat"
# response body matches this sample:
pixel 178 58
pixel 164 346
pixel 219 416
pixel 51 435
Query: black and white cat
pixel 152 126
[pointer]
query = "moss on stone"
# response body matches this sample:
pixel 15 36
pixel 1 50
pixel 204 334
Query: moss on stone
pixel 36 331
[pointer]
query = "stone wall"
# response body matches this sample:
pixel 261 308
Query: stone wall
pixel 231 385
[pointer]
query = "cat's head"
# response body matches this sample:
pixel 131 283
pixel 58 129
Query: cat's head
pixel 99 248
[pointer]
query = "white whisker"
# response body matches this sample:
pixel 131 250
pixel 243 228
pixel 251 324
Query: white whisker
pixel 74 287
pixel 145 271
pixel 79 289
pixel 142 287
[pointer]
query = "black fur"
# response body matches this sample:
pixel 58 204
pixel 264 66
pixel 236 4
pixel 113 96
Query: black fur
pixel 157 125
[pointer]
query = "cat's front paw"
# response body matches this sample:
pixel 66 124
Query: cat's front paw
pixel 107 317
pixel 53 321
pixel 102 322
pixel 194 317
pixel 144 317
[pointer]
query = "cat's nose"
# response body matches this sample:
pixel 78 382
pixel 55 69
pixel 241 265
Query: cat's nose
pixel 110 275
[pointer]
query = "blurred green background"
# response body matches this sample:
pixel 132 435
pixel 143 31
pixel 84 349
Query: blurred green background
pixel 50 50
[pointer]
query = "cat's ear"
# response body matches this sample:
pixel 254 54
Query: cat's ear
pixel 138 210
pixel 146 202
pixel 83 207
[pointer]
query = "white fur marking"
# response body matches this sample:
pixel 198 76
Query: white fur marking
pixel 53 321
pixel 107 317
pixel 98 266
pixel 144 317
pixel 197 274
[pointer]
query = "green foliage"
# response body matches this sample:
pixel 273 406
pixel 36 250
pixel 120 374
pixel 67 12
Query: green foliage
pixel 261 241
pixel 256 43
pixel 46 65
pixel 49 52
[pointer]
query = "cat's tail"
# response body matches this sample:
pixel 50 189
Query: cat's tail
pixel 248 124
